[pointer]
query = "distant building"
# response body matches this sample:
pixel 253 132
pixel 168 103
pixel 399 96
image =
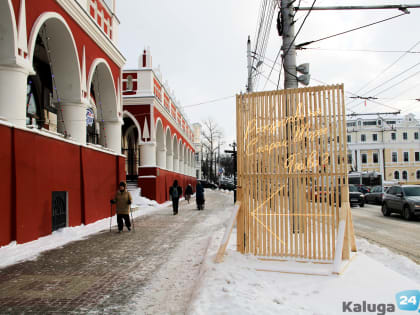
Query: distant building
pixel 157 138
pixel 389 146
pixel 198 158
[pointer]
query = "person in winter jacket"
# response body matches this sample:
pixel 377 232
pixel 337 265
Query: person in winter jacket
pixel 188 193
pixel 123 201
pixel 175 192
pixel 199 196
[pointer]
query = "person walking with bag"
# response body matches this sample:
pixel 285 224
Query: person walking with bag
pixel 199 196
pixel 188 192
pixel 123 201
pixel 175 192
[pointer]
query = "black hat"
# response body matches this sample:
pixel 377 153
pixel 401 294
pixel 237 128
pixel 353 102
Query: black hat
pixel 122 184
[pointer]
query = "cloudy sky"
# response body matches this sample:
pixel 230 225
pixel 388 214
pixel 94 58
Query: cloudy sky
pixel 201 49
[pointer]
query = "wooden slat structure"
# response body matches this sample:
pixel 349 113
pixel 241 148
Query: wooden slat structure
pixel 292 174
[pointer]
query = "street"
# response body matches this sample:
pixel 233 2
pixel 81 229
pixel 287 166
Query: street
pixel 152 270
pixel 393 232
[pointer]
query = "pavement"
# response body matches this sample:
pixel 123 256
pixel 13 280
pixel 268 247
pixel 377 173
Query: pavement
pixel 152 270
pixel 395 233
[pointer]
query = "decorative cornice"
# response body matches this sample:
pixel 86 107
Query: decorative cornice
pixel 81 16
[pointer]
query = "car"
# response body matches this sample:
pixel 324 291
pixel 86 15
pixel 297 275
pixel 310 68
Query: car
pixel 376 194
pixel 356 197
pixel 363 188
pixel 402 199
pixel 206 184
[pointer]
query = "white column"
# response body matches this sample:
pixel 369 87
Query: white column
pixel 13 87
pixel 74 116
pixel 181 166
pixel 359 161
pixel 148 154
pixel 170 162
pixel 381 163
pixel 176 164
pixel 161 158
pixel 113 135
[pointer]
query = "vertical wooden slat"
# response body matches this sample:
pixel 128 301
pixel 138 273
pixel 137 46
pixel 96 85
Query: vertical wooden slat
pixel 239 140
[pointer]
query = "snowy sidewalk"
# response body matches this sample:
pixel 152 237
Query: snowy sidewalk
pixel 236 287
pixel 150 271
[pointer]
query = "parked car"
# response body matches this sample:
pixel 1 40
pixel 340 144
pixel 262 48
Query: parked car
pixel 356 197
pixel 375 196
pixel 207 184
pixel 318 193
pixel 402 199
pixel 363 188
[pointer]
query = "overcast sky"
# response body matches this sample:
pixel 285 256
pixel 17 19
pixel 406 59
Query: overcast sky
pixel 201 49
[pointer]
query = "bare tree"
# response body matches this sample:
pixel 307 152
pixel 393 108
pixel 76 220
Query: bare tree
pixel 211 140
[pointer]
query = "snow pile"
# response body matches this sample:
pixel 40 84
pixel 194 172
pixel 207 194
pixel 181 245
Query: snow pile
pixel 13 253
pixel 236 287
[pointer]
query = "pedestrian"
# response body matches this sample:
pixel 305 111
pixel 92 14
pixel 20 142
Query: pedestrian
pixel 123 201
pixel 175 192
pixel 188 193
pixel 199 196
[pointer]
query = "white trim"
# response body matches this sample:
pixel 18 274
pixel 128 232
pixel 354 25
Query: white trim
pixel 14 35
pixel 148 176
pixel 35 31
pixel 91 28
pixel 131 116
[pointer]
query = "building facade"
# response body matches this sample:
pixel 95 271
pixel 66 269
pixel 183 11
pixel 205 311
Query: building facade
pixel 389 146
pixel 157 138
pixel 198 158
pixel 61 114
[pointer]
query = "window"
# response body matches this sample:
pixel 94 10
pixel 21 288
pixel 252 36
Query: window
pixel 197 157
pixel 130 83
pixel 405 175
pixel 369 123
pixel 364 158
pixel 379 122
pixel 351 124
pixel 363 138
pixel 391 122
pixel 359 123
pixel 349 138
pixel 396 175
pixel 418 175
pixel 393 136
pixel 405 136
pixel 375 157
pixel 416 136
pixel 349 159
pixel 394 157
pixel 406 157
pixel 375 137
pixel 417 156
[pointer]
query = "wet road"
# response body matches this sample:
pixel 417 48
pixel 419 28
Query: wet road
pixel 393 232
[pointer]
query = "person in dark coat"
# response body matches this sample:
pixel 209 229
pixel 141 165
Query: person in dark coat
pixel 175 192
pixel 188 193
pixel 123 201
pixel 199 196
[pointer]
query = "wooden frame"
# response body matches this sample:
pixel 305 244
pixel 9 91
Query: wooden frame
pixel 292 175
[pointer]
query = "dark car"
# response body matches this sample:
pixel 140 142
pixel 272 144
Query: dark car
pixel 356 197
pixel 376 194
pixel 363 188
pixel 206 184
pixel 402 199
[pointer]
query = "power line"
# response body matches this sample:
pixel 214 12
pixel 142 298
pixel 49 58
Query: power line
pixel 360 50
pixel 208 102
pixel 299 46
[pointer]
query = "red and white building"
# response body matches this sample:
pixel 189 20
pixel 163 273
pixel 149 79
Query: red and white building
pixel 157 138
pixel 59 65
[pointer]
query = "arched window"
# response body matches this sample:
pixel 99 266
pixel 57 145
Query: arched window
pixel 129 83
pixel 405 175
pixel 418 174
pixel 396 175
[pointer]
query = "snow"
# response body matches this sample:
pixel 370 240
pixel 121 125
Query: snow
pixel 238 286
pixel 14 253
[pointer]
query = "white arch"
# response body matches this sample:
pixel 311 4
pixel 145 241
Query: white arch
pixel 136 123
pixel 169 149
pixel 175 152
pixel 100 62
pixel 64 44
pixel 8 40
pixel 160 144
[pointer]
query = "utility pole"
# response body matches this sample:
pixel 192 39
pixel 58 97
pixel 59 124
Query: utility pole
pixel 249 57
pixel 288 48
